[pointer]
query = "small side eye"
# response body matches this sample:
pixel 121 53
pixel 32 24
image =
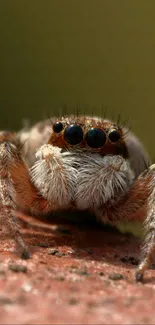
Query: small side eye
pixel 95 138
pixel 114 135
pixel 73 134
pixel 57 127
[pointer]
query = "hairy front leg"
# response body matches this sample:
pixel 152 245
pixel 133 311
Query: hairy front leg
pixel 148 247
pixel 140 195
pixel 37 191
pixel 17 191
pixel 7 197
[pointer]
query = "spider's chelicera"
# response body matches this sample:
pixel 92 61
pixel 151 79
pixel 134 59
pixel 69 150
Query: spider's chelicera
pixel 77 163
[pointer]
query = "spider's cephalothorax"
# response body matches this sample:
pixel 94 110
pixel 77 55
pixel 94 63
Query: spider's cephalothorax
pixel 80 163
pixel 88 134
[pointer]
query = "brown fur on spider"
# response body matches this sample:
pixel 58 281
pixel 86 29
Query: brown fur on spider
pixel 83 163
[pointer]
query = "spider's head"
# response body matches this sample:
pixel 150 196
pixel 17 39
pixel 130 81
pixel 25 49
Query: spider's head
pixel 88 134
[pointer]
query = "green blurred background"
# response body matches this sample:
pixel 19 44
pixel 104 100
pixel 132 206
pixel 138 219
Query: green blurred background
pixel 92 52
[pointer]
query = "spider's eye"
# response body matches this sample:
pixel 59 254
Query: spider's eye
pixel 95 138
pixel 73 134
pixel 114 136
pixel 57 127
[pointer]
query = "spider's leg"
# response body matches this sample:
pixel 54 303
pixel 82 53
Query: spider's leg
pixel 140 195
pixel 17 191
pixel 148 248
pixel 7 197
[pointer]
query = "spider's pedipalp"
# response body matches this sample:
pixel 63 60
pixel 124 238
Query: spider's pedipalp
pixel 54 175
pixel 102 180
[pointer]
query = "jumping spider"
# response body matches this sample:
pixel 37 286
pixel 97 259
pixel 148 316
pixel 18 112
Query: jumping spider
pixel 81 163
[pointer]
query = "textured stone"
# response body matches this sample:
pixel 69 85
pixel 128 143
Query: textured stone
pixel 77 288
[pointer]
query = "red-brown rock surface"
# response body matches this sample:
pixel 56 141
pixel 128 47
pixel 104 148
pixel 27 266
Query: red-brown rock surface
pixel 76 275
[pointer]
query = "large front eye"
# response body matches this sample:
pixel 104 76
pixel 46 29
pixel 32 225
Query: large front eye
pixel 114 135
pixel 73 134
pixel 95 138
pixel 57 127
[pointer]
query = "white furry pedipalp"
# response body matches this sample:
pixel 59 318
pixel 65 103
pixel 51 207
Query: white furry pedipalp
pixel 89 180
pixel 54 175
pixel 101 180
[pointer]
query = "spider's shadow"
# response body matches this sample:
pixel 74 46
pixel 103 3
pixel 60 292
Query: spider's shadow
pixel 87 238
